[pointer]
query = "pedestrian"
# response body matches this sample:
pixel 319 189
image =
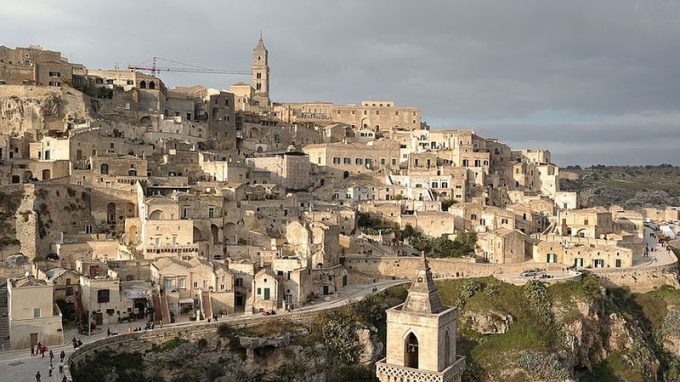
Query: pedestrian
pixel 51 356
pixel 32 351
pixel 42 352
pixel 62 355
pixel 37 376
pixel 108 332
pixel 61 367
pixel 49 371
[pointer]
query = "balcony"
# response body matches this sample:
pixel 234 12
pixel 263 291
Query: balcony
pixel 387 372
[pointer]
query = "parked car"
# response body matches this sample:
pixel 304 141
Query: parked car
pixel 529 273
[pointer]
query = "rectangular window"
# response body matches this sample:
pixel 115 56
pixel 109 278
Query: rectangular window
pixel 259 290
pixel 211 212
pixel 336 160
pixel 358 161
pixel 36 312
pixel 103 296
pixel 394 162
pixel 347 160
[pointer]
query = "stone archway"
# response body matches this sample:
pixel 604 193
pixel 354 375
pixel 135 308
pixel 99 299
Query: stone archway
pixel 411 351
pixel 157 215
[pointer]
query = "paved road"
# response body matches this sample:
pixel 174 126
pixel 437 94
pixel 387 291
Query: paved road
pixel 19 366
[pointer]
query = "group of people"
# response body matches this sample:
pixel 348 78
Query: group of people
pixel 147 326
pixel 42 349
pixel 76 343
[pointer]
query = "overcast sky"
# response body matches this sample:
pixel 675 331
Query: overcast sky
pixel 593 81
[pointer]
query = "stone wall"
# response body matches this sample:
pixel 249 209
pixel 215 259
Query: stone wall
pixel 145 340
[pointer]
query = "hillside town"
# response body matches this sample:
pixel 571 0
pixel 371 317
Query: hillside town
pixel 128 204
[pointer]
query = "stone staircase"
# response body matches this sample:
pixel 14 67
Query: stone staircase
pixel 4 318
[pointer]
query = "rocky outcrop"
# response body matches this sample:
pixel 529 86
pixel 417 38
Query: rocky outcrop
pixel 489 322
pixel 32 109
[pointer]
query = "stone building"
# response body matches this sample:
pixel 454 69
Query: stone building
pixel 265 291
pixel 504 246
pixel 35 66
pixel 291 170
pixel 583 255
pixel 33 315
pixel 374 115
pixel 421 337
pixel 353 158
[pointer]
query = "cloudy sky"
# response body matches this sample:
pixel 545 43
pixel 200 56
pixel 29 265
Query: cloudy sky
pixel 593 81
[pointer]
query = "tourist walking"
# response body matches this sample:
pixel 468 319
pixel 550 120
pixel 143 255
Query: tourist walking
pixel 51 356
pixel 62 355
pixel 37 377
pixel 49 371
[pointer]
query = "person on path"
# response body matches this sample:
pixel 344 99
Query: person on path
pixel 62 355
pixel 32 351
pixel 51 356
pixel 37 377
pixel 49 371
pixel 61 367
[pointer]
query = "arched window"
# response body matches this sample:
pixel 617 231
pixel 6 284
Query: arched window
pixel 152 85
pixel 142 85
pixel 411 351
pixel 104 168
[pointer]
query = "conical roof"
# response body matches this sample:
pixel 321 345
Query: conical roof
pixel 422 296
pixel 260 43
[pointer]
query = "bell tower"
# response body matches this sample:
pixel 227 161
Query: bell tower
pixel 260 73
pixel 421 336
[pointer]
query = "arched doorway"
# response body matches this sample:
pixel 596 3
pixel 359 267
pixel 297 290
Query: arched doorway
pixel 132 234
pixel 411 351
pixel 104 168
pixel 142 85
pixel 345 175
pixel 198 236
pixel 46 174
pixel 111 213
pixel 214 232
pixel 157 215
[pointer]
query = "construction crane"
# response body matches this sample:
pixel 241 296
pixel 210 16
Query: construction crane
pixel 186 68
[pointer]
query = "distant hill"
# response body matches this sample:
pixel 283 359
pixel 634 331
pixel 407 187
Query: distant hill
pixel 627 186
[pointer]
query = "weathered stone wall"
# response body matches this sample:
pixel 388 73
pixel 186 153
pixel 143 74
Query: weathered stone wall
pixel 35 108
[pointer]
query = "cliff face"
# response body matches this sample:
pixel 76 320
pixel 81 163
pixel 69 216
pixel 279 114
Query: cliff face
pixel 31 109
pixel 578 331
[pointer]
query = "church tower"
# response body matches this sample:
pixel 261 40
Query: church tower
pixel 260 73
pixel 421 337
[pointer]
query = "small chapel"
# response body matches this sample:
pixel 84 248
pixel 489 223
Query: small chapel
pixel 421 337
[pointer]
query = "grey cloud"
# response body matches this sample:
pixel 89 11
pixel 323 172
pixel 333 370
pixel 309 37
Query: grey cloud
pixel 470 59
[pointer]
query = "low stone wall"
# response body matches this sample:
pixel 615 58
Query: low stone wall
pixel 145 340
pixel 642 279
pixel 364 268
